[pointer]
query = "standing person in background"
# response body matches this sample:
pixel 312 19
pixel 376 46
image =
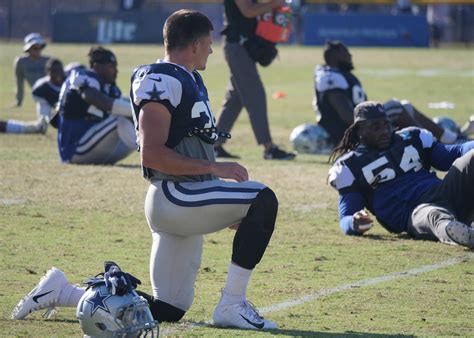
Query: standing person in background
pixel 245 88
pixel 30 67
pixel 438 17
pixel 46 94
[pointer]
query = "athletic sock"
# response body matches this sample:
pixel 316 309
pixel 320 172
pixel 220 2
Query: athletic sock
pixel 235 289
pixel 20 127
pixel 70 295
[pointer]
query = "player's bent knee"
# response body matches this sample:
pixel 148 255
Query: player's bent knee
pixel 268 202
pixel 255 230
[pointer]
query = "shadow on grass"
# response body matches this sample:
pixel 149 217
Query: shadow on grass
pixel 303 333
pixel 387 237
pixel 185 327
pixel 29 320
pixel 315 160
pixel 63 320
pixel 127 166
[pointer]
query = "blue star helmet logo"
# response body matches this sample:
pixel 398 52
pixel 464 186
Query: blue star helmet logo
pixel 98 302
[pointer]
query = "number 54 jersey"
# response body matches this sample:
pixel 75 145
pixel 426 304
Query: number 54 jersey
pixel 389 182
pixel 193 125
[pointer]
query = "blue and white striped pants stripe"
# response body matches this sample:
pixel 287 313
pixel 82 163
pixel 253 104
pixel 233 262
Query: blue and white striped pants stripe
pixel 106 143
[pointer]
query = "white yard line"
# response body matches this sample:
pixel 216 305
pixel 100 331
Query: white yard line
pixel 363 283
pixel 326 292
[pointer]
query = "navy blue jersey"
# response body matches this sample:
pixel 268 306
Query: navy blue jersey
pixel 192 131
pixel 46 90
pixel 73 107
pixel 326 80
pixel 76 116
pixel 389 183
pixel 184 95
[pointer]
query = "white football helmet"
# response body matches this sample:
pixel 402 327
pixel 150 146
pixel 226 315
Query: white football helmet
pixel 447 123
pixel 102 314
pixel 310 138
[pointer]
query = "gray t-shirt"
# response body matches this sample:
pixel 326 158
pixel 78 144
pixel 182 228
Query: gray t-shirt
pixel 30 70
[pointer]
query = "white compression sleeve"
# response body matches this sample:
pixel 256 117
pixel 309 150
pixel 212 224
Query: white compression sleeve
pixel 122 107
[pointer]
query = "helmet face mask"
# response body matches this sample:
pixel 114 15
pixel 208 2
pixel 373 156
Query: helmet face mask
pixel 102 314
pixel 310 138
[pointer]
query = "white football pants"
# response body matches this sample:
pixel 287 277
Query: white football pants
pixel 179 214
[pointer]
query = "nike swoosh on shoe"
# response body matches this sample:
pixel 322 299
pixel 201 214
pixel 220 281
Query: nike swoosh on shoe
pixel 257 325
pixel 35 298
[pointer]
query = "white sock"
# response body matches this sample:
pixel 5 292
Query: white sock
pixel 70 295
pixel 235 289
pixel 448 136
pixel 15 127
pixel 21 127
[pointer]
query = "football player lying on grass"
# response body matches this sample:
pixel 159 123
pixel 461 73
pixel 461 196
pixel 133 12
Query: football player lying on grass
pixel 389 173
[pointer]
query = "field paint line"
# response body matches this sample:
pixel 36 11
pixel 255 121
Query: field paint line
pixel 185 326
pixel 364 282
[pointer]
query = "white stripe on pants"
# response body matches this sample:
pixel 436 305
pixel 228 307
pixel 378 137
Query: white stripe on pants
pixel 106 142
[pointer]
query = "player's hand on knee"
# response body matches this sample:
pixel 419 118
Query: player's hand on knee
pixel 231 170
pixel 361 221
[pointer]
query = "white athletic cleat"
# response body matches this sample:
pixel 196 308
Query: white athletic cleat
pixel 44 296
pixel 461 233
pixel 241 315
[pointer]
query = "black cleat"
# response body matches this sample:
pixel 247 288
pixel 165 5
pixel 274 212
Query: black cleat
pixel 275 153
pixel 222 153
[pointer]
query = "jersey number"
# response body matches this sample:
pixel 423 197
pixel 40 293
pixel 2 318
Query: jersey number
pixel 410 160
pixel 201 108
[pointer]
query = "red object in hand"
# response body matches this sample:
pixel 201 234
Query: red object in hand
pixel 275 26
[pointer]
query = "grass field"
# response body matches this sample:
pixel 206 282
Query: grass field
pixel 75 217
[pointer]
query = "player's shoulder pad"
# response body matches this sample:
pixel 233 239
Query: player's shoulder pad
pixel 39 83
pixel 426 137
pixel 156 82
pixel 83 78
pixel 327 78
pixel 340 176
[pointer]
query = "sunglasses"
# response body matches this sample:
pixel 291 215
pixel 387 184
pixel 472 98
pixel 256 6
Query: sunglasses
pixel 36 47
